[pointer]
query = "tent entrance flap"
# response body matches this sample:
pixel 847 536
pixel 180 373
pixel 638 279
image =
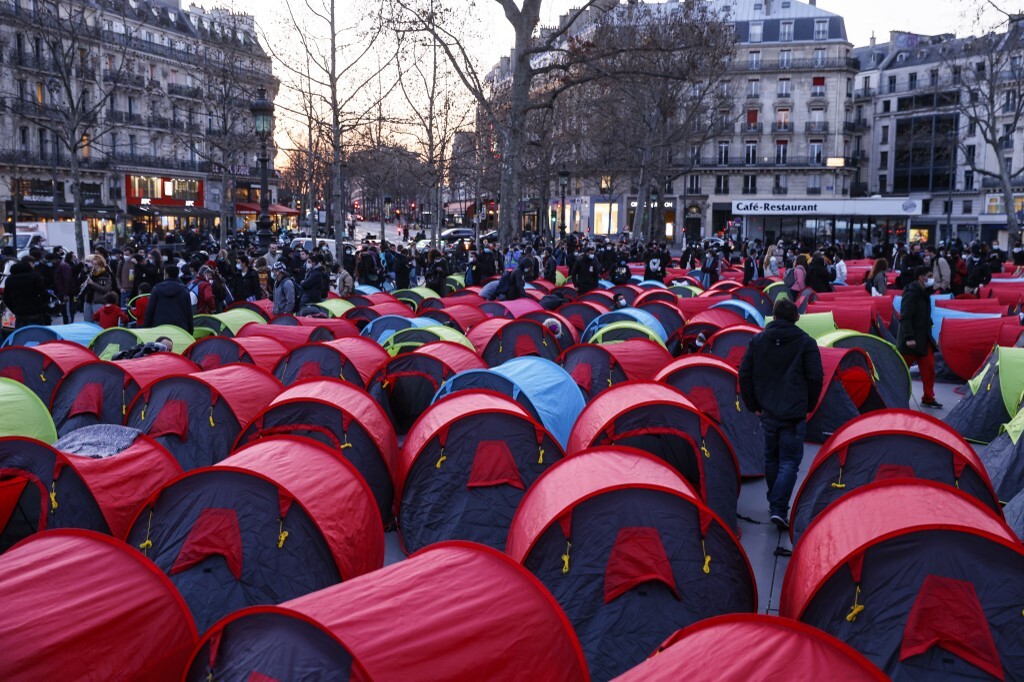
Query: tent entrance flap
pixel 215 533
pixel 637 557
pixel 10 493
pixel 494 465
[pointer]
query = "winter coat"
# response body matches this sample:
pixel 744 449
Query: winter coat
pixel 915 320
pixel 312 286
pixel 781 373
pixel 284 297
pixel 25 292
pixel 819 279
pixel 585 274
pixel 169 303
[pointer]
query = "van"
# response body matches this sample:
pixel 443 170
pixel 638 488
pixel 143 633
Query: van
pixel 47 236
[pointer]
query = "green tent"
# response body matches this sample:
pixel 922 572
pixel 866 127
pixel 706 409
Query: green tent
pixel 776 290
pixel 625 331
pixel 686 290
pixel 415 296
pixel 405 340
pixel 336 307
pixel 228 322
pixel 22 413
pixel 110 342
pixel 891 374
pixel 994 398
pixel 453 283
pixel 817 324
pixel 560 279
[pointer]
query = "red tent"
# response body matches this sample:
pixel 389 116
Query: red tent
pixel 848 391
pixel 216 351
pixel 338 326
pixel 966 343
pixel 145 370
pixel 42 367
pixel 445 611
pixel 498 340
pixel 859 315
pixel 291 337
pixel 83 605
pixel 352 358
pixel 462 317
pixel 748 646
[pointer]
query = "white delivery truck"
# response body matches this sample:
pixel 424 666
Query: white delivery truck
pixel 47 235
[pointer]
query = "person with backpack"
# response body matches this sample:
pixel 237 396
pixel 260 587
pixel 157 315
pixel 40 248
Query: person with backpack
pixel 941 270
pixel 284 290
pixel 368 267
pixel 875 282
pixel 621 274
pixel 472 276
pixel 549 264
pixel 512 284
pixel 796 277
pixel 200 290
pixel 436 272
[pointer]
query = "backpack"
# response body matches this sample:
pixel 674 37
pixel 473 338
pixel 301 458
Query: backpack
pixel 193 295
pixel 621 275
pixel 790 279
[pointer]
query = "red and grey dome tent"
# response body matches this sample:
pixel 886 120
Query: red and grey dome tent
pixel 712 385
pixel 993 397
pixel 966 343
pixel 667 314
pixel 661 421
pixel 889 444
pixel 197 417
pixel 699 328
pixel 214 352
pixel 283 517
pixel 565 333
pixel 339 327
pixel 464 468
pixel 444 613
pixel 892 378
pixel 78 604
pixel 94 478
pixel 99 392
pixel 925 581
pixel 290 337
pixel 42 367
pixel 405 385
pixel 498 340
pixel 580 314
pixel 730 344
pixel 596 368
pixel 848 391
pixel 459 317
pixel 352 358
pixel 630 552
pixel 341 416
pixel 748 646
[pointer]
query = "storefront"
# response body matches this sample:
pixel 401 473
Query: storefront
pixel 35 204
pixel 993 221
pixel 166 205
pixel 664 215
pixel 844 221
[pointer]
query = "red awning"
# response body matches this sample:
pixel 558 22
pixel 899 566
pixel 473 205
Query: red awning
pixel 278 209
pixel 243 207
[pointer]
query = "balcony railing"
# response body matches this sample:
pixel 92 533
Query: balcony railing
pixel 125 117
pixel 184 91
pixel 809 64
pixel 784 94
pixel 813 191
pixel 1006 143
pixel 750 190
pixel 818 127
pixel 159 162
pixel 753 95
pixel 751 128
pixel 28 157
pixel 767 162
pixel 782 127
pixel 780 190
pixel 124 78
pixel 817 91
pixel 864 93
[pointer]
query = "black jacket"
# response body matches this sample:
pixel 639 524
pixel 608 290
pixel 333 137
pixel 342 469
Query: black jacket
pixel 169 303
pixel 585 274
pixel 25 292
pixel 915 320
pixel 819 279
pixel 781 373
pixel 312 286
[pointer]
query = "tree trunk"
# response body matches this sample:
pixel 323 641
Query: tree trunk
pixel 76 198
pixel 227 197
pixel 1010 206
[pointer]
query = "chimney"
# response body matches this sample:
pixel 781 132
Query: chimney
pixel 872 39
pixel 814 3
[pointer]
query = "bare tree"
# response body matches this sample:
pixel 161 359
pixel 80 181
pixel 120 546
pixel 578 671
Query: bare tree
pixel 74 103
pixel 988 73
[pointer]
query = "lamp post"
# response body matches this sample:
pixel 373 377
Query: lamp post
pixel 951 139
pixel 563 183
pixel 263 117
pixel 54 87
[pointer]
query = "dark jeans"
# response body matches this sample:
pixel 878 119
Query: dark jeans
pixel 783 450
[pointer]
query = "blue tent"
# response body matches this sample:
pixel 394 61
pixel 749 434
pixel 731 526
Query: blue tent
pixel 653 284
pixel 384 326
pixel 746 310
pixel 941 314
pixel 624 315
pixel 546 391
pixel 81 333
pixel 366 289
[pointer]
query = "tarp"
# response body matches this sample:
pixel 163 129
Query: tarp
pixel 747 646
pixel 447 610
pixel 87 578
pixel 549 393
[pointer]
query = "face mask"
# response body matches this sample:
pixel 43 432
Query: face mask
pixel 238 267
pixel 622 303
pixel 930 282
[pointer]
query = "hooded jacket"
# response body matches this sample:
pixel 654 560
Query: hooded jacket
pixel 169 303
pixel 781 373
pixel 25 292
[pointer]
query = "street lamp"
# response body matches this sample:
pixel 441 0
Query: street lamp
pixel 54 87
pixel 563 183
pixel 951 139
pixel 263 116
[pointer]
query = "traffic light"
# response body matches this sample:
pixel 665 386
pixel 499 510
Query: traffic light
pixel 412 205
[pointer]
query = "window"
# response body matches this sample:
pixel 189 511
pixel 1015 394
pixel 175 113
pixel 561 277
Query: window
pixel 756 30
pixel 967 207
pixel 23 138
pixel 883 183
pixel 821 29
pixel 750 153
pixel 131 145
pixel 785 59
pixel 968 181
pixel 786 31
pixel 818 86
pixel 750 184
pixel 131 106
pixel 723 152
pixel 972 128
pixel 781 151
pixel 693 184
pixel 694 154
pixel 819 56
pixel 1009 101
pixel 885 135
pixel 754 60
pixel 886 106
pixel 814 184
pixel 721 184
pixel 42 144
pixel 912 82
pixel 980 68
pixel 753 88
pixel 816 152
pixel 926 206
pixel 969 152
pixel 22 90
pixel 785 87
pixel 947 207
pixel 933 77
pixel 781 185
pixel 957 74
pixel 724 89
pixel 892 84
pixel 752 116
pixel 883 159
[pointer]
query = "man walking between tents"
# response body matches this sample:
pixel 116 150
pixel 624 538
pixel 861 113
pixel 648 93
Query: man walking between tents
pixel 915 338
pixel 781 379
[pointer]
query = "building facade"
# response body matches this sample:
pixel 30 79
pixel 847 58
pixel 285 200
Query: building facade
pixel 153 97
